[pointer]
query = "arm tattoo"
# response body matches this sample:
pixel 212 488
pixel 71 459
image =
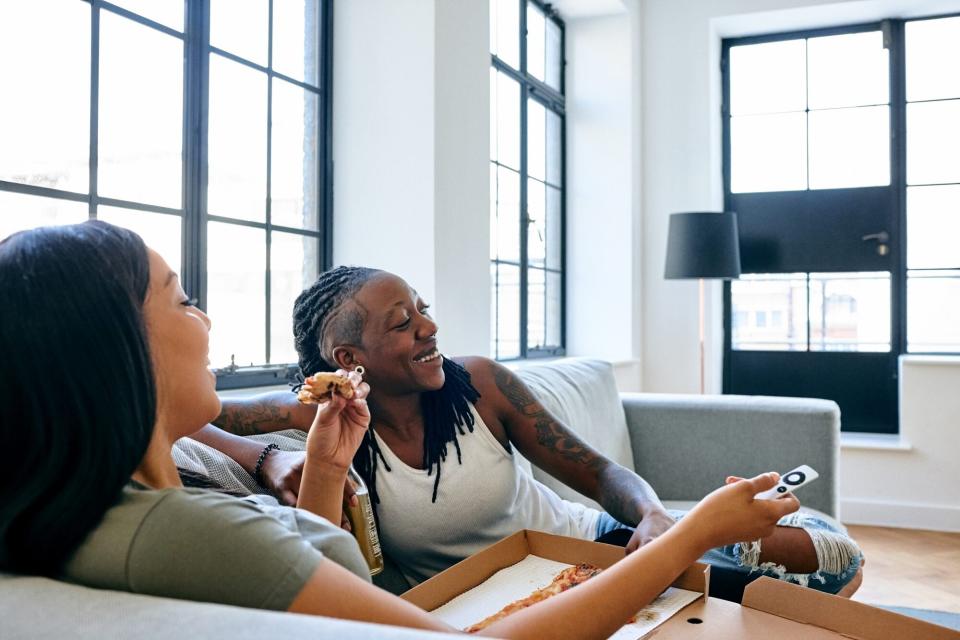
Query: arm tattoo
pixel 253 418
pixel 550 434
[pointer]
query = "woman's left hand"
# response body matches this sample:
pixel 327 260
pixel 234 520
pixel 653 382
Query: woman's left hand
pixel 338 429
pixel 654 524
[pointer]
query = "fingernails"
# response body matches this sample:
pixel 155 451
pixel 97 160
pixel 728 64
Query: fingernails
pixel 354 501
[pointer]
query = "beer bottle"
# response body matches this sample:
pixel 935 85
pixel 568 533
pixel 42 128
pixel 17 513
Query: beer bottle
pixel 363 524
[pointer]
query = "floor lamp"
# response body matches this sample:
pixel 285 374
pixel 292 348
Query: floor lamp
pixel 702 245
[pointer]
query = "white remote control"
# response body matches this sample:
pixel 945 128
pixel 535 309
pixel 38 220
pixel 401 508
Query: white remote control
pixel 789 482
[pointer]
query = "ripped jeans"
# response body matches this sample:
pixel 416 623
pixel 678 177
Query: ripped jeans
pixel 736 565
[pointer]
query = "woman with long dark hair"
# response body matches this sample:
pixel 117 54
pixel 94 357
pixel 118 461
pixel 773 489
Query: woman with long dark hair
pixel 105 365
pixel 438 457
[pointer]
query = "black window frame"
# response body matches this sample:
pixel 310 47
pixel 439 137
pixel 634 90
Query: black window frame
pixel 893 31
pixel 555 101
pixel 193 211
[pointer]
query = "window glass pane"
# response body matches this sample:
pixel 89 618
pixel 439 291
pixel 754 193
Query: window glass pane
pixel 45 140
pixel 236 292
pixel 933 226
pixel 554 148
pixel 238 141
pixel 554 296
pixel 536 140
pixel 19 212
pixel 770 312
pixel 536 308
pixel 849 147
pixel 296 38
pixel 160 231
pixel 508 215
pixel 536 42
pixel 493 113
pixel 508 311
pixel 768 78
pixel 508 122
pixel 294 170
pixel 494 239
pixel 850 311
pixel 933 311
pixel 536 227
pixel 554 55
pixel 505 31
pixel 293 267
pixel 240 27
pixel 554 228
pixel 932 51
pixel 169 13
pixel 140 113
pixel 493 311
pixel 933 142
pixel 768 153
pixel 848 70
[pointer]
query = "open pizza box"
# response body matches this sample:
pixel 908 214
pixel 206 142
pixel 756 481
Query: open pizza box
pixel 770 609
pixel 460 595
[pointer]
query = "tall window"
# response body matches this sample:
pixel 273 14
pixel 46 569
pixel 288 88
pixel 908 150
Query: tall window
pixel 199 124
pixel 526 180
pixel 842 155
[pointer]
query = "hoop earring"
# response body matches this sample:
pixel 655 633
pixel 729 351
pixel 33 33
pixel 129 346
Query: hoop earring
pixel 360 370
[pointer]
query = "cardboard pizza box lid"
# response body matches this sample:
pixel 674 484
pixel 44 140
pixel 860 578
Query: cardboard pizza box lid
pixel 848 618
pixel 775 609
pixel 474 570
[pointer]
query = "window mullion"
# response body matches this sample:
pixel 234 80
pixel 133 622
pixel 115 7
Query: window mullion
pixel 268 211
pixel 94 106
pixel 196 83
pixel 898 179
pixel 524 215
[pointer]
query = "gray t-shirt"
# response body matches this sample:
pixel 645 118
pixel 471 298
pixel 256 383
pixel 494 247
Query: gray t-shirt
pixel 200 545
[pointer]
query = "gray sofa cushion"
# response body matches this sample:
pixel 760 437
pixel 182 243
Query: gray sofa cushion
pixel 583 394
pixel 42 608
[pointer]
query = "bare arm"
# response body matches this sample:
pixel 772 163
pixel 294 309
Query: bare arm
pixel 553 447
pixel 244 451
pixel 594 609
pixel 264 413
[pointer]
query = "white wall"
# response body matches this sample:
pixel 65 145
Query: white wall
pixel 682 172
pixel 410 152
pixel 603 281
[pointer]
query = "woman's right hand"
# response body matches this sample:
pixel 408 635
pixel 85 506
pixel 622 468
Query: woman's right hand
pixel 339 427
pixel 731 514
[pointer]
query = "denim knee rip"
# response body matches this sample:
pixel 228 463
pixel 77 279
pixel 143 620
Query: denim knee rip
pixel 836 553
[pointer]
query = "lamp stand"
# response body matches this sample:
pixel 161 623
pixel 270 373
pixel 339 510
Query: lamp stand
pixel 702 375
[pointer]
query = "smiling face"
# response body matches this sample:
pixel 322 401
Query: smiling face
pixel 179 337
pixel 398 345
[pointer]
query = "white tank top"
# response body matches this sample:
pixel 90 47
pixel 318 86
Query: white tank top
pixel 486 498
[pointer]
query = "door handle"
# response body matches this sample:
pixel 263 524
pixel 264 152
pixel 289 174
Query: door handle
pixel 882 239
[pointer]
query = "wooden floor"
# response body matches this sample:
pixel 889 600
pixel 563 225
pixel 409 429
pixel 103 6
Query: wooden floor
pixel 909 568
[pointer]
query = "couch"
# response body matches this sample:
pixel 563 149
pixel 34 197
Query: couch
pixel 683 445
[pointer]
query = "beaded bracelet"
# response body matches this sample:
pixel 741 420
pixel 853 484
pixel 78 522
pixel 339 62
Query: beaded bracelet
pixel 257 475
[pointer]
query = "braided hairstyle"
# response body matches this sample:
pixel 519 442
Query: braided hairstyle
pixel 446 411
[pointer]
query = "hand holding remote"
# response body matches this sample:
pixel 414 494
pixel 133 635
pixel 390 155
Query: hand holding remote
pixel 789 482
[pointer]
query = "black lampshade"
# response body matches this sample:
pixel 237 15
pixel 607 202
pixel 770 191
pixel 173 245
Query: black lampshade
pixel 703 245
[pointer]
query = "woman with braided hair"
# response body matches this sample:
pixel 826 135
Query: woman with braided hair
pixel 438 456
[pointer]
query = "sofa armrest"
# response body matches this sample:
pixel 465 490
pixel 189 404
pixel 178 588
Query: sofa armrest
pixel 685 446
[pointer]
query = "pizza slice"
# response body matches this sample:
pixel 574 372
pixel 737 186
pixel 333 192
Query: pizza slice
pixel 322 385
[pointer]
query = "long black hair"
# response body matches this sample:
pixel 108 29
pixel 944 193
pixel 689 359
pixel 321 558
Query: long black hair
pixel 446 412
pixel 77 394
